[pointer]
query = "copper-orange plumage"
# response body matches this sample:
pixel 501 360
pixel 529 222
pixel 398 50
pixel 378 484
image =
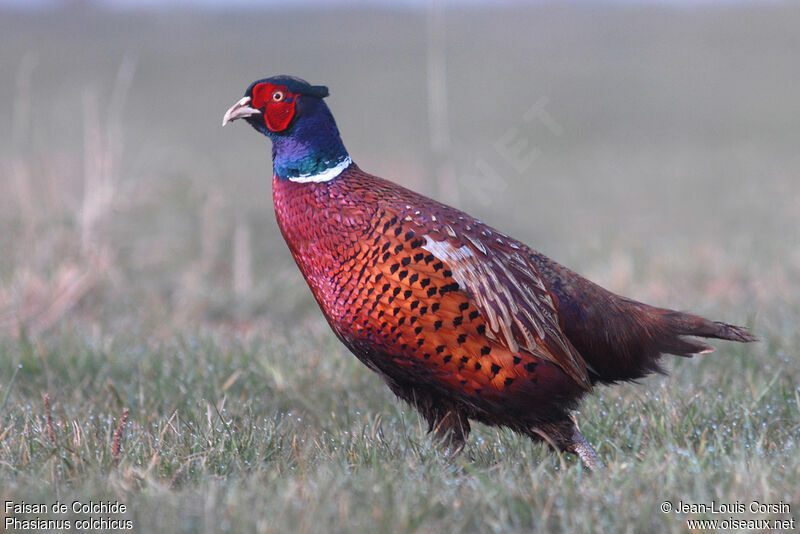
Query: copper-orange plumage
pixel 461 321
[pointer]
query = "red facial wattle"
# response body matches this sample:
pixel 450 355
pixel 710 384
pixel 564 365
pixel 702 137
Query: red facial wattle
pixel 277 113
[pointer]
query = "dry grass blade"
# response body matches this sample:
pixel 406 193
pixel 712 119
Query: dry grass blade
pixel 50 432
pixel 116 446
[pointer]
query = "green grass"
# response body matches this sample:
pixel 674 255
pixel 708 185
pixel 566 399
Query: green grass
pixel 283 431
pixel 674 181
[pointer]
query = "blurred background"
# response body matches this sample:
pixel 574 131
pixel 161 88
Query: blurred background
pixel 159 347
pixel 651 145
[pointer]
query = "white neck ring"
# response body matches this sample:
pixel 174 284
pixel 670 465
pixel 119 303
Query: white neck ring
pixel 325 176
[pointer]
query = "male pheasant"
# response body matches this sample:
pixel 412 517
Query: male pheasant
pixel 462 321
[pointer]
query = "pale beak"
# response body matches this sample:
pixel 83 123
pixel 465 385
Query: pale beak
pixel 239 110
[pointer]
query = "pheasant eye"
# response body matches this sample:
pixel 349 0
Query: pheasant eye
pixel 277 96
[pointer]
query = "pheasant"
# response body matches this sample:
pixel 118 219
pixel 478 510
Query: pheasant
pixel 460 320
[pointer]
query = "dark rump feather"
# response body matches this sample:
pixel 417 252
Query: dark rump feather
pixel 620 338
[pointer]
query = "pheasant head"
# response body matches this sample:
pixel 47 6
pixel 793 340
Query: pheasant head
pixel 306 146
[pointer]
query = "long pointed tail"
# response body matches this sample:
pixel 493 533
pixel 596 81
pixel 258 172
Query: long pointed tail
pixel 626 341
pixel 680 324
pixel 620 338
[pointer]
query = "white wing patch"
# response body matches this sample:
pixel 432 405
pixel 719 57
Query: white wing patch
pixel 444 251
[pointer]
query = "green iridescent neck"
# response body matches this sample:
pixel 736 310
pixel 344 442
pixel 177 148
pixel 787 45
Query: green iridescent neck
pixel 312 151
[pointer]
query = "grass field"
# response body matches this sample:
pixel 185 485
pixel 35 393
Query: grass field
pixel 159 349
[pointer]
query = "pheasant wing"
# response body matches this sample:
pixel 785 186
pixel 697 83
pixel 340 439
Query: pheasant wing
pixel 510 294
pixel 498 277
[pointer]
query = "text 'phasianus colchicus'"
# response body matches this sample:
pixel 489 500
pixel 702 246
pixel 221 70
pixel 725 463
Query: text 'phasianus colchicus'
pixel 460 320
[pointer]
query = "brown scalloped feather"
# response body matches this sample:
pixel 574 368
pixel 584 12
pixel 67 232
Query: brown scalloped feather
pixel 510 295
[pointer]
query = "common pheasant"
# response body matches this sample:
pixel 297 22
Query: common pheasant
pixel 459 319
